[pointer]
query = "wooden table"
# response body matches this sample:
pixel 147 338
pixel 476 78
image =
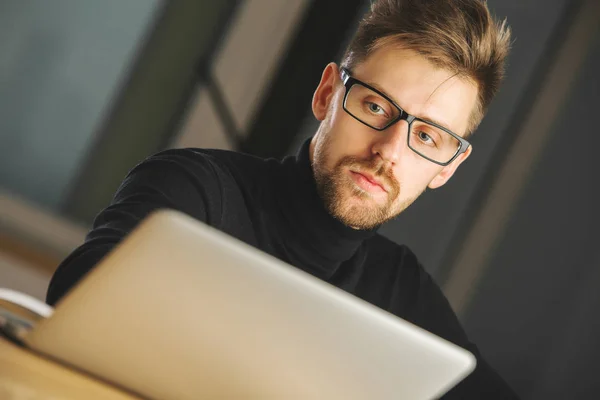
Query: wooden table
pixel 25 375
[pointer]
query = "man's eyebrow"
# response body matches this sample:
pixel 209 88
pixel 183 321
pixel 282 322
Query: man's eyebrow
pixel 423 117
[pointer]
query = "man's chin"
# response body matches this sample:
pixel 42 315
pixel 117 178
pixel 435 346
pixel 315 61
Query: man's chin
pixel 355 221
pixel 355 207
pixel 362 199
pixel 358 215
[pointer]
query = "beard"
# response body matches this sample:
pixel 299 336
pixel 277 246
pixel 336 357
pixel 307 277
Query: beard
pixel 339 192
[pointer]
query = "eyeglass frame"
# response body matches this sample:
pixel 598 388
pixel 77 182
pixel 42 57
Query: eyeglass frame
pixel 349 81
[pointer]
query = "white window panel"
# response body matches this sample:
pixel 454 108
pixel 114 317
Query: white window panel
pixel 251 52
pixel 202 126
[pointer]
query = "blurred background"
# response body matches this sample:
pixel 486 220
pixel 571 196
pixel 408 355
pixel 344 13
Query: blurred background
pixel 90 88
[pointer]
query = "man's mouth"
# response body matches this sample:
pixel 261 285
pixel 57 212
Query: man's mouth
pixel 368 182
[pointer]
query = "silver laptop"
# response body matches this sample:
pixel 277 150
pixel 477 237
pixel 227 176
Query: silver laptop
pixel 180 310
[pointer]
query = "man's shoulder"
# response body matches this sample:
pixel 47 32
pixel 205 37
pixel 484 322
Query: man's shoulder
pixel 210 163
pixel 219 158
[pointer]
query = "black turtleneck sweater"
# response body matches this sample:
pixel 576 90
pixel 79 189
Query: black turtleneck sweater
pixel 274 206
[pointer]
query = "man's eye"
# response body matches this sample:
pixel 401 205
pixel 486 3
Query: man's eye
pixel 425 138
pixel 375 108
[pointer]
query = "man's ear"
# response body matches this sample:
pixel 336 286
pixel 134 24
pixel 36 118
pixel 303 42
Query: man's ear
pixel 449 170
pixel 324 93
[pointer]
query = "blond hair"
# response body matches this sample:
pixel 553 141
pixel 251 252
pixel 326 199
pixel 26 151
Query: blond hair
pixel 458 35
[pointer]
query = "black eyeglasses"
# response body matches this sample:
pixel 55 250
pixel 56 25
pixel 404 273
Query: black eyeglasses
pixel 376 110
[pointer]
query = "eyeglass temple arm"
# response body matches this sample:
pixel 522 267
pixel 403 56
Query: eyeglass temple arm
pixel 344 74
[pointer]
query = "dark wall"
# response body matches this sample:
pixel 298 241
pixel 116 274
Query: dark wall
pixel 536 313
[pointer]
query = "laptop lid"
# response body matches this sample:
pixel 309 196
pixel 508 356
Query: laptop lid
pixel 182 310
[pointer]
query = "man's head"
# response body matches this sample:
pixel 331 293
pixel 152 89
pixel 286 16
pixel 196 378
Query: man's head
pixel 431 65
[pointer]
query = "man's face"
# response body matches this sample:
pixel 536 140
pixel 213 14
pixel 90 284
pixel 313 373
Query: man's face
pixel 365 176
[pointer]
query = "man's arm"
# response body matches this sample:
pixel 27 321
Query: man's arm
pixel 436 316
pixel 175 179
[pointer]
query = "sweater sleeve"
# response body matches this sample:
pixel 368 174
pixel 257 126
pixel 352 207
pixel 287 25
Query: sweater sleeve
pixel 176 179
pixel 436 315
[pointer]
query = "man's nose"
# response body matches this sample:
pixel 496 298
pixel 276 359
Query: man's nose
pixel 391 142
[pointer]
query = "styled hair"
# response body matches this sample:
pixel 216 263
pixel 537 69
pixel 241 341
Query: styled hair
pixel 457 35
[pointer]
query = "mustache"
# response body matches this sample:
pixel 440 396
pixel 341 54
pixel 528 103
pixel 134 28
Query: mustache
pixel 375 166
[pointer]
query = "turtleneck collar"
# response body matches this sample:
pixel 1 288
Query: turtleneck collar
pixel 322 239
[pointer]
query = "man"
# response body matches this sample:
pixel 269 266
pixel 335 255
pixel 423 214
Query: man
pixel 413 84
